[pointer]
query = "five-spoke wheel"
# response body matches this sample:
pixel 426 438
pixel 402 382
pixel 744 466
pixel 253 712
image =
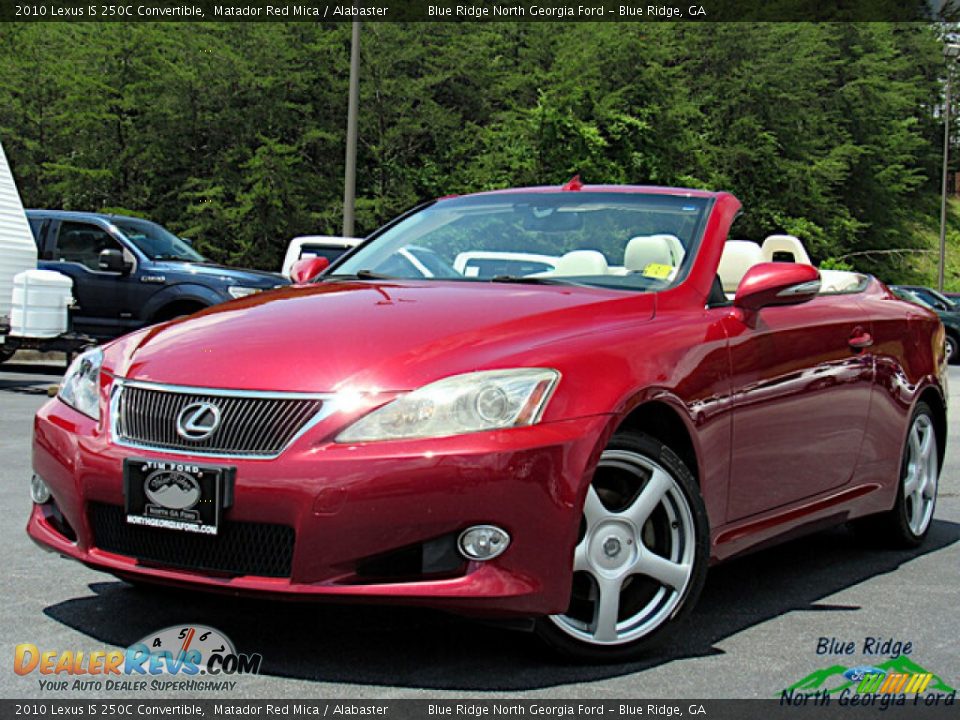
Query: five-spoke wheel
pixel 640 558
pixel 921 474
pixel 908 522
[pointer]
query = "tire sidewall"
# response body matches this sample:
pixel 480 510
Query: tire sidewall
pixel 902 524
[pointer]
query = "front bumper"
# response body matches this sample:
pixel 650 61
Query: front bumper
pixel 348 504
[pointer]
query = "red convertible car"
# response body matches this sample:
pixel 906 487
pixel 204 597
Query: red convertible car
pixel 574 446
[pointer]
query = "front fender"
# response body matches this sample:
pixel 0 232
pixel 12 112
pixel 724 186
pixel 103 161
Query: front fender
pixel 180 292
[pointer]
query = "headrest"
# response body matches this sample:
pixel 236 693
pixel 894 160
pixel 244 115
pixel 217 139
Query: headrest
pixel 581 262
pixel 661 249
pixel 785 244
pixel 738 257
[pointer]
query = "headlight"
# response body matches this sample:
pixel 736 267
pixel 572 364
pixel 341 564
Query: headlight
pixel 80 388
pixel 467 403
pixel 239 291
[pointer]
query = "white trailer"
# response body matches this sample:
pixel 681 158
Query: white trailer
pixel 18 251
pixel 33 303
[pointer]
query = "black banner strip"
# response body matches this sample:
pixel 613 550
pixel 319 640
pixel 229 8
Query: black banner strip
pixel 479 11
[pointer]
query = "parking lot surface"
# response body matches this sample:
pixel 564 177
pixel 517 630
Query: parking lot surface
pixel 754 632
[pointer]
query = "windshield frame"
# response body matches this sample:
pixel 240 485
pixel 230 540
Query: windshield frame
pixel 708 201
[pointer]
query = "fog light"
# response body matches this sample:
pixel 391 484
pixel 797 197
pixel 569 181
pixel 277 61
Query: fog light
pixel 483 542
pixel 39 492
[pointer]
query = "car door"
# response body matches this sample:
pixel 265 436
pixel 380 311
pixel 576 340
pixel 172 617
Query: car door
pixel 802 378
pixel 99 296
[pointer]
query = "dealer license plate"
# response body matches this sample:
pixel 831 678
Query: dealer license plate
pixel 175 495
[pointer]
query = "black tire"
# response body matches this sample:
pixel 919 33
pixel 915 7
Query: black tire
pixel 893 528
pixel 693 525
pixel 6 353
pixel 176 310
pixel 953 348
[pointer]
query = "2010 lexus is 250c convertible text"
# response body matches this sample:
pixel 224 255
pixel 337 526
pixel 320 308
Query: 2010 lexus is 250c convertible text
pixel 573 446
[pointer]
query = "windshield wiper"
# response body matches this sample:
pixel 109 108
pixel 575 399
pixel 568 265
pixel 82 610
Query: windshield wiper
pixel 360 275
pixel 530 280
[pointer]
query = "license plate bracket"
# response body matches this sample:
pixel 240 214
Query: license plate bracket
pixel 176 495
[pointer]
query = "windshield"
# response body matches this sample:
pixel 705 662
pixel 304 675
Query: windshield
pixel 156 242
pixel 629 241
pixel 932 297
pixel 911 296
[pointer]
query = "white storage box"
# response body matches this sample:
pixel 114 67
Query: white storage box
pixel 40 302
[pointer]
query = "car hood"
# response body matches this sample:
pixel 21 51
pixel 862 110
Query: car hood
pixel 366 335
pixel 229 275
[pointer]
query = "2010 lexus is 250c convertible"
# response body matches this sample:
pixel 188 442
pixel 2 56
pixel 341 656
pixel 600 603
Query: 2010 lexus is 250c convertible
pixel 574 445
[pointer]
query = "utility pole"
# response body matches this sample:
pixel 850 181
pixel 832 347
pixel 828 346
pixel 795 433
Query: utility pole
pixel 353 106
pixel 951 52
pixel 943 188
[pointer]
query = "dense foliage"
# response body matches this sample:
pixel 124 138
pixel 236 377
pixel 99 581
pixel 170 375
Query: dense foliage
pixel 234 134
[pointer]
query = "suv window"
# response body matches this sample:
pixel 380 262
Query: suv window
pixel 82 243
pixel 329 252
pixel 36 226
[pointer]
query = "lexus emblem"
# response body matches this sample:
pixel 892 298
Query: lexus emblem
pixel 198 420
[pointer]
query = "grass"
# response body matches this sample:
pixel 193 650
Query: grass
pixel 921 268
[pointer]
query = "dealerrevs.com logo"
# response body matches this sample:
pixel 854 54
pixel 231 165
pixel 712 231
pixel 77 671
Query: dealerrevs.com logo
pixel 177 658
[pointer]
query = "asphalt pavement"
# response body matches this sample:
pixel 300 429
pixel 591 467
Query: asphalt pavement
pixel 754 632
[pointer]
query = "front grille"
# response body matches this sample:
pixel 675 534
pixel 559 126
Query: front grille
pixel 250 425
pixel 239 548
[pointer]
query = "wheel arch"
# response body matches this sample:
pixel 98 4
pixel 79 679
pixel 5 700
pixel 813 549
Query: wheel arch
pixel 662 420
pixel 935 400
pixel 185 294
pixel 177 307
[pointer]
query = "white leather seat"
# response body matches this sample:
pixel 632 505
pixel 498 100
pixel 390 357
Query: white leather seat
pixel 661 249
pixel 785 244
pixel 839 281
pixel 581 262
pixel 738 257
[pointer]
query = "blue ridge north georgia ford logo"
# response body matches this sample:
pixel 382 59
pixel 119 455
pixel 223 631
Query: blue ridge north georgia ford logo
pixel 172 489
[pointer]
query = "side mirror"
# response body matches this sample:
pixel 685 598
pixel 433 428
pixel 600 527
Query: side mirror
pixel 769 284
pixel 112 260
pixel 305 269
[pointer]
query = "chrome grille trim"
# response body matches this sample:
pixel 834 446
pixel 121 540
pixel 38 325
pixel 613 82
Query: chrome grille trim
pixel 256 425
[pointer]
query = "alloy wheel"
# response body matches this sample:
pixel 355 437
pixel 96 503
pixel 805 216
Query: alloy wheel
pixel 920 477
pixel 635 557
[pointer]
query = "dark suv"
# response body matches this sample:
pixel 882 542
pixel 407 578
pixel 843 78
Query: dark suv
pixel 948 313
pixel 129 272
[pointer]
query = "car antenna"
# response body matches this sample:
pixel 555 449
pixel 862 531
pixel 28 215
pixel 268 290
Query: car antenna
pixel 573 184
